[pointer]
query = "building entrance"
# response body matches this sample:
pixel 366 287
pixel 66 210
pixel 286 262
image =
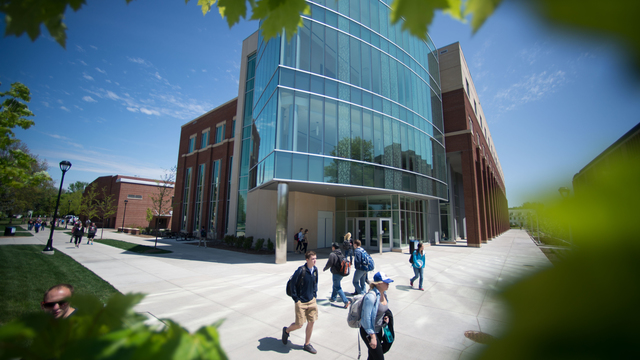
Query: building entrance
pixel 374 233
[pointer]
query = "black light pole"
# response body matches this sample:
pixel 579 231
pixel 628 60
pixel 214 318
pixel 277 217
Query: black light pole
pixel 66 222
pixel 125 214
pixel 64 166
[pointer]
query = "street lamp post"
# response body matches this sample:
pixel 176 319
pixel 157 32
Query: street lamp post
pixel 125 214
pixel 64 166
pixel 67 220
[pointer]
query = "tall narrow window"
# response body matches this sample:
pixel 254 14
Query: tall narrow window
pixel 198 208
pixel 192 144
pixel 220 130
pixel 185 200
pixel 204 141
pixel 214 197
pixel 468 94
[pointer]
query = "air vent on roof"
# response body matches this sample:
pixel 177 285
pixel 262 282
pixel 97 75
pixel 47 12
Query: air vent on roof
pixel 444 51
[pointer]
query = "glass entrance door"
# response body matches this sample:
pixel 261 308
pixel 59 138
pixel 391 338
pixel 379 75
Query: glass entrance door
pixel 371 231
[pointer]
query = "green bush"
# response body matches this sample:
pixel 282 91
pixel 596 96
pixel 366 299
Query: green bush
pixel 248 242
pixel 229 239
pixel 269 245
pixel 239 241
pixel 111 331
pixel 259 244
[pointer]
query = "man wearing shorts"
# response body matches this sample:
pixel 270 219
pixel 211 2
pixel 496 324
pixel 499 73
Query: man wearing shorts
pixel 304 295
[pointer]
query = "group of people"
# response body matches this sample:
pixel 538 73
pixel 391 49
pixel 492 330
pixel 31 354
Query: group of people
pixel 36 224
pixel 302 241
pixel 78 232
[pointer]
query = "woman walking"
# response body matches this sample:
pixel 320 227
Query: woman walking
pixel 91 233
pixel 347 245
pixel 78 232
pixel 376 321
pixel 305 241
pixel 417 261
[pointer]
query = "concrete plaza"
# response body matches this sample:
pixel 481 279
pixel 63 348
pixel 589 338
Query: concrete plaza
pixel 197 286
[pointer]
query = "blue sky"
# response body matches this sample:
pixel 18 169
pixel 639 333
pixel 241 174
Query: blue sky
pixel 131 75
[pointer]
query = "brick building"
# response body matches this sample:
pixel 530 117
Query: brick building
pixel 477 205
pixel 202 178
pixel 137 192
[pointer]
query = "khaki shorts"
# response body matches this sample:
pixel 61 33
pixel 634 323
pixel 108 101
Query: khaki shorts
pixel 306 312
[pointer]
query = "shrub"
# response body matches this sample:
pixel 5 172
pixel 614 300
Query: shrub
pixel 269 245
pixel 239 241
pixel 229 239
pixel 248 242
pixel 259 244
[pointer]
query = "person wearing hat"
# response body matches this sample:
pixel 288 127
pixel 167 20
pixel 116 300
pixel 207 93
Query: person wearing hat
pixel 376 322
pixel 335 258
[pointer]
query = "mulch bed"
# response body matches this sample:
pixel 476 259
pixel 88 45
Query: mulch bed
pixel 224 246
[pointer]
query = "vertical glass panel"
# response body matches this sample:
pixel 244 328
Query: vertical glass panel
pixel 317 48
pixel 330 127
pixel 354 10
pixel 302 80
pixel 330 52
pixel 397 147
pixel 367 100
pixel 366 65
pixel 356 133
pixel 301 141
pixel 316 166
pixel 283 165
pixel 330 88
pixel 343 7
pixel 343 57
pixel 367 175
pixel 285 120
pixel 375 71
pixel 356 96
pixel 287 77
pixel 365 18
pixel 378 135
pixel 375 19
pixel 355 61
pixel 344 92
pixel 412 154
pixel 290 52
pixel 388 178
pixel 356 173
pixel 304 47
pixel 317 13
pixel 387 159
pixel 316 125
pixel 367 136
pixel 384 75
pixel 344 130
pixel 300 167
pixel 330 170
pixel 344 172
pixel 331 18
pixel 378 177
pixel 404 146
pixel 317 84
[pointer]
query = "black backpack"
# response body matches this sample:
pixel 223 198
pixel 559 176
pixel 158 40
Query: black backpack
pixel 295 237
pixel 290 284
pixel 342 266
pixel 411 258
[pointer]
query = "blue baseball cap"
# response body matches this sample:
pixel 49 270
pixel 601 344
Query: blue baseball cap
pixel 380 276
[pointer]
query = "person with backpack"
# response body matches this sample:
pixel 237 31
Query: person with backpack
pixel 360 276
pixel 347 245
pixel 305 241
pixel 337 263
pixel 78 232
pixel 417 261
pixel 91 233
pixel 298 238
pixel 376 322
pixel 304 291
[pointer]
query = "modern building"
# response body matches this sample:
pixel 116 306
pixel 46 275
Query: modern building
pixel 137 193
pixel 521 217
pixel 476 208
pixel 203 172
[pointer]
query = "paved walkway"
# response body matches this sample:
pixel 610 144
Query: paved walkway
pixel 196 286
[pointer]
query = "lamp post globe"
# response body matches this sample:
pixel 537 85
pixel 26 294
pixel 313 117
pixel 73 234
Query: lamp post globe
pixel 64 167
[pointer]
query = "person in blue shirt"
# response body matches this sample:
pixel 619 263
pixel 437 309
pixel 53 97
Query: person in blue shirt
pixel 418 265
pixel 360 275
pixel 376 316
pixel 304 295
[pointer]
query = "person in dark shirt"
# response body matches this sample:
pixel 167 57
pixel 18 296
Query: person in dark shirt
pixel 304 295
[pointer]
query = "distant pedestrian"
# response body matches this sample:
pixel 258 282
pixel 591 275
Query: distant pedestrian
pixel 376 321
pixel 347 246
pixel 37 225
pixel 304 293
pixel 305 241
pixel 78 233
pixel 30 224
pixel 360 275
pixel 91 233
pixel 333 263
pixel 417 261
pixel 203 237
pixel 298 238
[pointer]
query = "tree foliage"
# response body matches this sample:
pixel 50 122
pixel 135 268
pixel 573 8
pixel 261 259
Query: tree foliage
pixel 106 206
pixel 89 203
pixel 111 331
pixel 161 200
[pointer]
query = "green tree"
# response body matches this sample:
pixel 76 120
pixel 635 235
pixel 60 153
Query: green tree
pixel 106 207
pixel 89 204
pixel 78 186
pixel 16 164
pixel 161 200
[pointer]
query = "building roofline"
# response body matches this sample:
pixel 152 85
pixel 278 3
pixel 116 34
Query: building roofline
pixel 210 111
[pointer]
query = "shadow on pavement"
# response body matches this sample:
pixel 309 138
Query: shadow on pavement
pixel 273 344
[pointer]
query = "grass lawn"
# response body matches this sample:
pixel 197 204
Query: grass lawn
pixel 141 249
pixel 26 273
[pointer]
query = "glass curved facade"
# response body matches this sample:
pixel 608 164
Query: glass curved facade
pixel 349 100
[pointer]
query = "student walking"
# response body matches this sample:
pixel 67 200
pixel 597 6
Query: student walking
pixel 347 245
pixel 91 233
pixel 305 241
pixel 304 293
pixel 360 275
pixel 417 261
pixel 333 263
pixel 376 321
pixel 298 239
pixel 78 232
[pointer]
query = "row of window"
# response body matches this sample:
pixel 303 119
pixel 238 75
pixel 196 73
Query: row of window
pixel 200 202
pixel 221 130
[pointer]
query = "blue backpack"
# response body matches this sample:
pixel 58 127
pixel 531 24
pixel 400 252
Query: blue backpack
pixel 367 261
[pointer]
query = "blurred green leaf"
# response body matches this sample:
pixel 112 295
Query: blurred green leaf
pixel 417 14
pixel 279 15
pixel 480 10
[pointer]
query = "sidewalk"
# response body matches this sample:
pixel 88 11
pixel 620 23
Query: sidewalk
pixel 196 286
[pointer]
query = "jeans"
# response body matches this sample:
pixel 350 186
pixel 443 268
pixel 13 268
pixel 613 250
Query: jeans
pixel 337 289
pixel 359 281
pixel 419 272
pixel 349 253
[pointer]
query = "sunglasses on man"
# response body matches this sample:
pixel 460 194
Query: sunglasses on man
pixel 51 305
